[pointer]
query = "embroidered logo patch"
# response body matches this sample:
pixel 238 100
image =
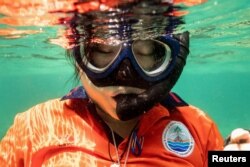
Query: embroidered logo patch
pixel 177 139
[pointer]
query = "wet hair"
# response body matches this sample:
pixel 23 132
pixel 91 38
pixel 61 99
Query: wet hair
pixel 70 54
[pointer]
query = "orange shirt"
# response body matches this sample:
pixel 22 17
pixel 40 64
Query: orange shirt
pixel 67 134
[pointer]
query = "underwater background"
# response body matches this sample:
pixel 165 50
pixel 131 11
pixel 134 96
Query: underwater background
pixel 216 78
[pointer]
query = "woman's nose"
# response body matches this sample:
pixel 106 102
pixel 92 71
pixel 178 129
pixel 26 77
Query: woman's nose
pixel 125 71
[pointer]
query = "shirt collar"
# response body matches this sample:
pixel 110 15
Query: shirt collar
pixel 76 93
pixel 148 119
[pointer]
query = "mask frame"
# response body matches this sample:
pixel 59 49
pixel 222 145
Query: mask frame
pixel 126 52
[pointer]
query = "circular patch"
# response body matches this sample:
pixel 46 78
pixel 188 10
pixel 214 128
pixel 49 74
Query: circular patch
pixel 177 139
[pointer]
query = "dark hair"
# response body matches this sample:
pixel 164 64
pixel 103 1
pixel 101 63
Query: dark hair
pixel 70 54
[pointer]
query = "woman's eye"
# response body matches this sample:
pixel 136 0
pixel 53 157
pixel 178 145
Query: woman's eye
pixel 105 49
pixel 143 47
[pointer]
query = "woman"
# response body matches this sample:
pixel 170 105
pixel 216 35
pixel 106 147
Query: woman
pixel 125 113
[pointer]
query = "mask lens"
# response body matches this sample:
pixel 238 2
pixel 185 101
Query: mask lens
pixel 152 56
pixel 101 56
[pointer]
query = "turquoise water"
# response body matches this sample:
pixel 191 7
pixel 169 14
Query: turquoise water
pixel 216 78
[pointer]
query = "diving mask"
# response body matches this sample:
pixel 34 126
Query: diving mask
pixel 153 59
